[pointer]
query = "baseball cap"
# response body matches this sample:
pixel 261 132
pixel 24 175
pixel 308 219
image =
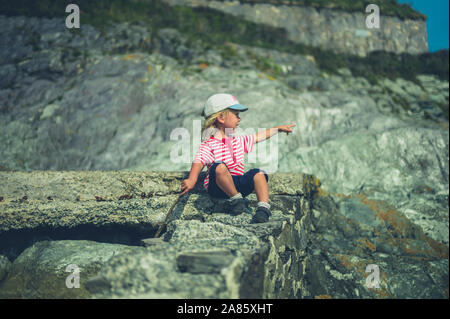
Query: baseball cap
pixel 221 101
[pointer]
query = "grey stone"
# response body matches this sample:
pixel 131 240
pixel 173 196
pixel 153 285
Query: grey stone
pixel 354 209
pixel 300 253
pixel 5 267
pixel 148 242
pixel 7 75
pixel 327 28
pixel 41 271
pixel 204 261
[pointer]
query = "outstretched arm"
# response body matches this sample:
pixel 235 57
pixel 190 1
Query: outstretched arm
pixel 263 135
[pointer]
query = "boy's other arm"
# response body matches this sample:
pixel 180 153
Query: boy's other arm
pixel 263 135
pixel 188 184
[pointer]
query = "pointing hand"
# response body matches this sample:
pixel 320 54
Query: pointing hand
pixel 285 128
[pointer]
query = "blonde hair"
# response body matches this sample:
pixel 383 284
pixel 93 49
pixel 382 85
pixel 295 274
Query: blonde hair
pixel 210 126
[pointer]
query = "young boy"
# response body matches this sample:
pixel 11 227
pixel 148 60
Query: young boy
pixel 223 154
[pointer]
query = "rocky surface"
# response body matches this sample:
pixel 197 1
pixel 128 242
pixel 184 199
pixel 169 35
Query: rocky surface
pixel 232 255
pixel 111 101
pixel 43 270
pixel 312 247
pixel 331 29
pixel 354 233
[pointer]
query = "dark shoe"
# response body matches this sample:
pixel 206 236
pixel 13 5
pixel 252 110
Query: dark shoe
pixel 262 215
pixel 238 206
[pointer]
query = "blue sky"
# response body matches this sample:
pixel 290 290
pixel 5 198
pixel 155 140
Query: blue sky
pixel 437 22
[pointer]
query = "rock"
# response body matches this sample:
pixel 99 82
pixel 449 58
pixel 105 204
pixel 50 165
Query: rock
pixel 41 271
pixel 300 83
pixel 49 111
pixel 313 245
pixel 7 75
pixel 204 262
pixel 392 247
pixel 228 262
pixel 153 241
pixel 325 27
pixel 153 274
pixel 5 267
pixel 359 212
pixel 230 256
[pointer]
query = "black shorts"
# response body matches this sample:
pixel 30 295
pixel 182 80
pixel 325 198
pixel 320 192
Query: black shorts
pixel 243 183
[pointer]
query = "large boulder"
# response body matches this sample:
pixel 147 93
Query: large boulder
pixel 48 269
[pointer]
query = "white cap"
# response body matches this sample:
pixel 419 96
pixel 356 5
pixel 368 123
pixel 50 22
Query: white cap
pixel 221 101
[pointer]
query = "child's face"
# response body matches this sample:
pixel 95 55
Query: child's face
pixel 231 120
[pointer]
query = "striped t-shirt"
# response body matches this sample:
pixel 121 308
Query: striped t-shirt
pixel 229 150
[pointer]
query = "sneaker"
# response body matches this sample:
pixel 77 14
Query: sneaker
pixel 238 206
pixel 262 215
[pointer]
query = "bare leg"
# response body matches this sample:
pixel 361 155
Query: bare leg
pixel 225 181
pixel 261 187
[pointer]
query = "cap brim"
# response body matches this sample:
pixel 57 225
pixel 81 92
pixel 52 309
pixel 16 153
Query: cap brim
pixel 238 107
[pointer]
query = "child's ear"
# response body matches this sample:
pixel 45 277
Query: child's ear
pixel 221 118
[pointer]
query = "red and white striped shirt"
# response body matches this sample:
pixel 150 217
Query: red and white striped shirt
pixel 229 150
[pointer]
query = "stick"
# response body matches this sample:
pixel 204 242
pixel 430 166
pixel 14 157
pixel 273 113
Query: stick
pixel 167 217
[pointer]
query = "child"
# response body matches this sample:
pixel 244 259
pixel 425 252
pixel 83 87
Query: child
pixel 223 154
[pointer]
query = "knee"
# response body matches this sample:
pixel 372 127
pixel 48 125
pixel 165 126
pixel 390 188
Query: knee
pixel 259 176
pixel 221 169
